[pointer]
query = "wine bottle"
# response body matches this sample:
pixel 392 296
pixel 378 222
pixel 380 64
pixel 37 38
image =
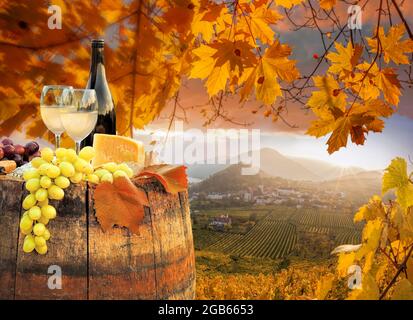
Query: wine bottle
pixel 106 122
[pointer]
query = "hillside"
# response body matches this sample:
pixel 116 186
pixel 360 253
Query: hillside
pixel 275 164
pixel 229 179
pixel 359 187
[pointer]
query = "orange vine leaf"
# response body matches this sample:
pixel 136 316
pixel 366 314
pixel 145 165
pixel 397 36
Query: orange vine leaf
pixel 172 177
pixel 120 203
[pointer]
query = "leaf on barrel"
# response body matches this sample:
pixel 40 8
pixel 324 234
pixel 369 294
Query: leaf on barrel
pixel 120 203
pixel 172 177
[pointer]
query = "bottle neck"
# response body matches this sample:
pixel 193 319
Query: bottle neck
pixel 97 58
pixel 97 61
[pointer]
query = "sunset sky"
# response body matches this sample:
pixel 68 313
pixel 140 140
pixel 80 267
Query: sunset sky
pixel 379 149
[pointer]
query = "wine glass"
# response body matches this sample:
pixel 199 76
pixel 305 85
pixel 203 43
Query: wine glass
pixel 79 113
pixel 50 104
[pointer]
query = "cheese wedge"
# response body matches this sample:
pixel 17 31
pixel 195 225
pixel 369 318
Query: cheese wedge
pixel 111 148
pixel 7 166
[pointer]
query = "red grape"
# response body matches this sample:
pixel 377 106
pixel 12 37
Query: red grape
pixel 19 149
pixel 31 148
pixel 7 141
pixel 18 159
pixel 9 151
pixel 34 155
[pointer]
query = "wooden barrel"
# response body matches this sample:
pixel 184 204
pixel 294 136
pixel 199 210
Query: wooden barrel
pixel 158 263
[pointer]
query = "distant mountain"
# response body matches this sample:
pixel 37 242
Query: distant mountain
pixel 362 185
pixel 229 179
pixel 358 187
pixel 362 176
pixel 325 170
pixel 275 164
pixel 203 171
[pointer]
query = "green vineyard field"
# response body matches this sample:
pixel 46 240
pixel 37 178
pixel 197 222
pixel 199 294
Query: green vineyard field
pixel 270 238
pixel 277 233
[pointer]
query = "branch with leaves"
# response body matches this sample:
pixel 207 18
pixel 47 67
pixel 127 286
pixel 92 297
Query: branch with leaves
pixel 385 254
pixel 232 46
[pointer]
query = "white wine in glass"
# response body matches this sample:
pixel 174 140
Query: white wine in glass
pixel 50 105
pixel 79 113
pixel 78 125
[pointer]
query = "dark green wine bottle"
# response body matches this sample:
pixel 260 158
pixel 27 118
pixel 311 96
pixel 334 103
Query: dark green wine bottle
pixel 106 122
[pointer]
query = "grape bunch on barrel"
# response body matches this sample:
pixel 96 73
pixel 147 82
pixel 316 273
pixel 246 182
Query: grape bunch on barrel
pixel 17 152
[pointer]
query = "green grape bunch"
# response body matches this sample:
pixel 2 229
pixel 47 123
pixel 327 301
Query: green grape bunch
pixel 51 174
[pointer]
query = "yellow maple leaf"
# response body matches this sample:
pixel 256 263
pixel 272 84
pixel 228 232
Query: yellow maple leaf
pixel 258 23
pixel 220 62
pixel 373 107
pixel 329 98
pixel 396 177
pixel 320 127
pixel 369 85
pixel 345 59
pixel 288 3
pixel 372 235
pixel 327 4
pixel 205 64
pixel 273 65
pixel 387 81
pixel 340 134
pixel 394 49
pixel 207 18
pixel 371 211
pixel 345 260
pixel 324 286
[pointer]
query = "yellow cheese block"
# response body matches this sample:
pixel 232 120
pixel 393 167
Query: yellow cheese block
pixel 111 148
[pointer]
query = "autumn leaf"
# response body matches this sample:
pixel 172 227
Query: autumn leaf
pixel 288 3
pixel 327 4
pixel 394 49
pixel 328 103
pixel 120 203
pixel 345 59
pixel 264 77
pixel 329 99
pixel 345 260
pixel 387 81
pixel 207 18
pixel 172 177
pixel 259 22
pixel 324 286
pixel 372 235
pixel 221 61
pixel 396 177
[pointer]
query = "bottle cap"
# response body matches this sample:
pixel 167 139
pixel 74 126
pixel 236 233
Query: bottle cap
pixel 98 43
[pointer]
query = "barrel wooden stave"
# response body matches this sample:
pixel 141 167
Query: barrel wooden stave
pixel 120 263
pixel 173 253
pixel 10 204
pixel 67 249
pixel 156 264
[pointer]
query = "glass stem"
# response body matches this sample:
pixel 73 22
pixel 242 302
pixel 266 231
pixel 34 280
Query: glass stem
pixel 57 140
pixel 78 147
